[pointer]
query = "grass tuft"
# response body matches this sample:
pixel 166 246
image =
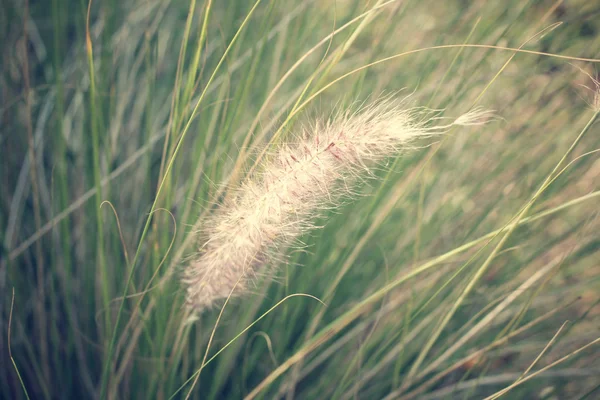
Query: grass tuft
pixel 398 251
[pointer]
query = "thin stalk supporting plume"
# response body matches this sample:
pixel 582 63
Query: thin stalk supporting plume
pixel 302 178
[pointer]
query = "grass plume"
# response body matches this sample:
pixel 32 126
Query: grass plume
pixel 302 178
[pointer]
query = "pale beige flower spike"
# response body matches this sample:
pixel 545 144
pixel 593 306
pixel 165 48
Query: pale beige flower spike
pixel 300 179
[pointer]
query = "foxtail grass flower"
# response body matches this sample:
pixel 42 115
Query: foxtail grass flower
pixel 314 172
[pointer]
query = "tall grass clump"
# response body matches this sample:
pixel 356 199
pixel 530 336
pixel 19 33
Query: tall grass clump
pixel 173 224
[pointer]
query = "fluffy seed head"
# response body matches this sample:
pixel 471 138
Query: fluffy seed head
pixel 313 172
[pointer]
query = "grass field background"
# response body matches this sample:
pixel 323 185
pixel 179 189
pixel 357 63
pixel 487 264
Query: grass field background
pixel 468 268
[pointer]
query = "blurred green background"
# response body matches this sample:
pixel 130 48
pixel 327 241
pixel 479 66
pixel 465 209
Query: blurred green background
pixel 426 297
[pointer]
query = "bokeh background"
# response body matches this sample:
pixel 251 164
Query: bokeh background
pixel 426 296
